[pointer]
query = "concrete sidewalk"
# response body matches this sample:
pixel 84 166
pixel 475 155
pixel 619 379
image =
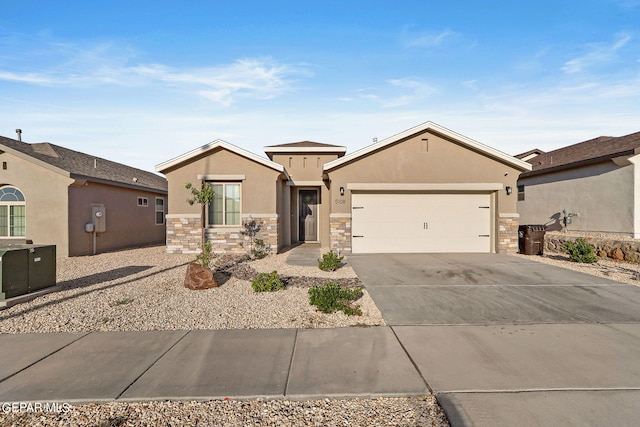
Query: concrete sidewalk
pixel 305 255
pixel 204 365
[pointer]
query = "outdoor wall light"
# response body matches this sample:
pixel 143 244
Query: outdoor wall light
pixel 342 191
pixel 508 188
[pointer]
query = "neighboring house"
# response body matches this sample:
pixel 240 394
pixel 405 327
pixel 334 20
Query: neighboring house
pixel 427 189
pixel 48 195
pixel 594 184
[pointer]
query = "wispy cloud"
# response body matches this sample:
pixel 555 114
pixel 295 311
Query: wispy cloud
pixel 597 54
pixel 397 92
pixel 68 65
pixel 427 39
pixel 260 78
pixel 412 90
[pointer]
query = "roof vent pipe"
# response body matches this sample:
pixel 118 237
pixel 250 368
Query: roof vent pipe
pixel 19 132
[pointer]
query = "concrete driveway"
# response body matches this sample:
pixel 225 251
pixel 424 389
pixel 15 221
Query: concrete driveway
pixel 507 341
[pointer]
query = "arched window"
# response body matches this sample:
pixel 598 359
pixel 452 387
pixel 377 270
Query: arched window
pixel 12 213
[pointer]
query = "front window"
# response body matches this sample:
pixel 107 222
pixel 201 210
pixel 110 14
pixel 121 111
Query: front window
pixel 159 210
pixel 12 213
pixel 225 209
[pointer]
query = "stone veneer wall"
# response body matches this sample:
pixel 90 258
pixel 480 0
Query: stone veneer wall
pixel 618 249
pixel 230 240
pixel 508 233
pixel 184 234
pixel 340 233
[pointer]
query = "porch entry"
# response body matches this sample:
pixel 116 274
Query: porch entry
pixel 308 215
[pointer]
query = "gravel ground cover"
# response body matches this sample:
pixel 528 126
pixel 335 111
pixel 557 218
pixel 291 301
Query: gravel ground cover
pixel 620 271
pixel 142 290
pixel 414 411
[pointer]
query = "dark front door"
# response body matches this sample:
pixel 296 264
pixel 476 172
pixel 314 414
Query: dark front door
pixel 308 215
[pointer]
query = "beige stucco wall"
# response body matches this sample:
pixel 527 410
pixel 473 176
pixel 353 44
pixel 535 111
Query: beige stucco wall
pixel 127 224
pixel 437 161
pixel 258 190
pixel 304 166
pixel 602 194
pixel 45 194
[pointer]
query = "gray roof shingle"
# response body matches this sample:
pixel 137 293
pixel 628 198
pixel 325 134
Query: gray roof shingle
pixel 592 151
pixel 85 166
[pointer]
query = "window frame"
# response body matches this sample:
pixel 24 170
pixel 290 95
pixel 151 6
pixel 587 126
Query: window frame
pixel 208 219
pixel 8 205
pixel 163 210
pixel 520 192
pixel 143 202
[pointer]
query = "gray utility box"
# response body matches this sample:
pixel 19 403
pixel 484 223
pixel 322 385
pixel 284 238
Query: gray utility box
pixel 26 268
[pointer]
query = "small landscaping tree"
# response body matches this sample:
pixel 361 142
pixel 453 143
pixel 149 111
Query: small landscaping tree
pixel 202 196
pixel 257 248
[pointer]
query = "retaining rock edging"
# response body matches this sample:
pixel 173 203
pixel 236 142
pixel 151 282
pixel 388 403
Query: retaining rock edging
pixel 621 250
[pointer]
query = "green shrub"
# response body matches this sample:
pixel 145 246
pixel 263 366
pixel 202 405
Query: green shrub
pixel 580 251
pixel 329 261
pixel 331 297
pixel 267 282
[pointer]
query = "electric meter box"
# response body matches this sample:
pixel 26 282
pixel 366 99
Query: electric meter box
pixel 26 268
pixel 99 218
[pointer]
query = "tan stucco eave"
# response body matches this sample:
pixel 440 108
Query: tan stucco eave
pixel 292 183
pixel 464 186
pixel 82 179
pixel 162 167
pixel 463 140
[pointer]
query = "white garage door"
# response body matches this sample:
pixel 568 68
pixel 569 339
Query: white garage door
pixel 404 223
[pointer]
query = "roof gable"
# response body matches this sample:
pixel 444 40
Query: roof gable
pixel 591 151
pixel 162 167
pixel 463 140
pixel 83 166
pixel 305 147
pixel 305 144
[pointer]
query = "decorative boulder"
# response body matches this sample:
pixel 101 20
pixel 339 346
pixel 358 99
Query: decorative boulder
pixel 199 277
pixel 617 254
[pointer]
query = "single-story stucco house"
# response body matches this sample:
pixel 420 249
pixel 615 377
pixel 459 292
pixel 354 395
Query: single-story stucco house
pixel 50 195
pixel 427 189
pixel 592 186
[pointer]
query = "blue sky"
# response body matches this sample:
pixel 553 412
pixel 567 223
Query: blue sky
pixel 141 82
